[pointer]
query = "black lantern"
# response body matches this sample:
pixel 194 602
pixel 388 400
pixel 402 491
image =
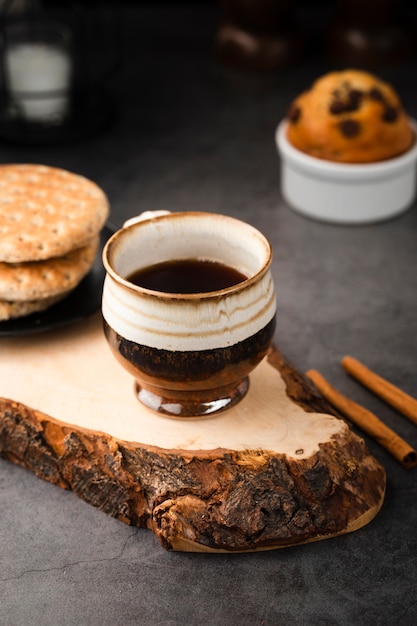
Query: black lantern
pixel 56 67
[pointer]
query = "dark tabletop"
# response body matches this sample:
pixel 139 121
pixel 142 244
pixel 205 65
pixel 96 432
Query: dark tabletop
pixel 193 135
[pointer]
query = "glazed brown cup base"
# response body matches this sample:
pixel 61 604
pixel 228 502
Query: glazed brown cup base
pixel 191 404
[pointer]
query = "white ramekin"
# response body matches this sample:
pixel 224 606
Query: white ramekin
pixel 342 192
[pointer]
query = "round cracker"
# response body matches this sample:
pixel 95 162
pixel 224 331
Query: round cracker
pixel 34 280
pixel 46 212
pixel 13 310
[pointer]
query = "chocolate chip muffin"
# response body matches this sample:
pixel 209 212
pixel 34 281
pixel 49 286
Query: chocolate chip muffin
pixel 349 116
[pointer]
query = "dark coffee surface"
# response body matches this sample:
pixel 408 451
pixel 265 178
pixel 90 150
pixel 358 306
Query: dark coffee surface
pixel 187 276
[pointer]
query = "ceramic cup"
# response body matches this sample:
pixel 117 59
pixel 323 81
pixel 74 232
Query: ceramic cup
pixel 190 353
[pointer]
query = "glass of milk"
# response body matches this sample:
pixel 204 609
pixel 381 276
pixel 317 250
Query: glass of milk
pixel 38 69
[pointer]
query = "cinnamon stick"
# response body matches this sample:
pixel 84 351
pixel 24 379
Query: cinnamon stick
pixel 367 421
pixel 401 401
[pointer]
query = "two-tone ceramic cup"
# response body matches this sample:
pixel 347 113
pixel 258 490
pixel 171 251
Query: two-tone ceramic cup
pixel 189 352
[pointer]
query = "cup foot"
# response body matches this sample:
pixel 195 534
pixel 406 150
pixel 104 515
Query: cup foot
pixel 191 404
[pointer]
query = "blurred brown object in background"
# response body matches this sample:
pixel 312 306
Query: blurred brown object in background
pixel 369 33
pixel 259 35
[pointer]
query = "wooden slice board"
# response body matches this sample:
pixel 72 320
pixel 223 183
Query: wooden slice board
pixel 278 469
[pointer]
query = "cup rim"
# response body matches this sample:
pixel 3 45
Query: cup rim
pixel 206 295
pixel 343 171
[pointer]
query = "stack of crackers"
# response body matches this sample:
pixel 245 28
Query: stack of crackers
pixel 50 223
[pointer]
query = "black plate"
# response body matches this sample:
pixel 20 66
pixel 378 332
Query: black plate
pixel 82 302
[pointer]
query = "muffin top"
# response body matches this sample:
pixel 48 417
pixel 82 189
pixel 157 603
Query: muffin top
pixel 349 116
